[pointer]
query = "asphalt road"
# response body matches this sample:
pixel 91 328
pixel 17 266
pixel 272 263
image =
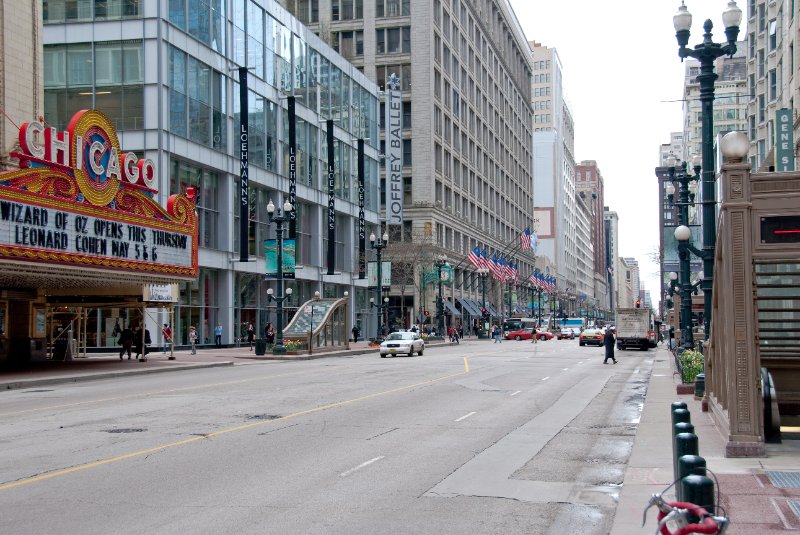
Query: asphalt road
pixel 475 438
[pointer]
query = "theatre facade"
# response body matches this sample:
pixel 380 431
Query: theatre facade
pixel 85 248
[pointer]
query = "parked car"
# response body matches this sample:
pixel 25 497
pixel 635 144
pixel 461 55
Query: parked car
pixel 566 334
pixel 402 343
pixel 591 337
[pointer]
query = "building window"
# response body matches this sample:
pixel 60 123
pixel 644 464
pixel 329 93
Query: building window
pixel 773 85
pixel 394 8
pixel 202 19
pixel 393 40
pixel 773 35
pixel 307 11
pixel 347 9
pixel 184 175
pixel 106 76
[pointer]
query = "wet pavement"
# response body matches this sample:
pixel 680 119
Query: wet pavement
pixel 750 489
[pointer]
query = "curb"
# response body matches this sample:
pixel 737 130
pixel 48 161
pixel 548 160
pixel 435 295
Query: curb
pixel 28 383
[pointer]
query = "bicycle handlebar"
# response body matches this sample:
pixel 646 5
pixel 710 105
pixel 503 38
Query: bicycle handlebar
pixel 677 514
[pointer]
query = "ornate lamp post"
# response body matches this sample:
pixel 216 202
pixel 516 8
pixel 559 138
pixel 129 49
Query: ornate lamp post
pixel 281 296
pixel 379 245
pixel 706 53
pixel 440 263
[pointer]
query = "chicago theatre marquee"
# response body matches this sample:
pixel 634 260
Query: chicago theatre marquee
pixel 85 248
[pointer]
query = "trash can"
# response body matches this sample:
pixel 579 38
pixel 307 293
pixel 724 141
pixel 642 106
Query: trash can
pixel 699 385
pixel 261 346
pixel 60 349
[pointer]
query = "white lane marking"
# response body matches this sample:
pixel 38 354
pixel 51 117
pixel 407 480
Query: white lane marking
pixel 545 378
pixel 360 466
pixel 634 371
pixel 564 369
pixel 515 393
pixel 464 417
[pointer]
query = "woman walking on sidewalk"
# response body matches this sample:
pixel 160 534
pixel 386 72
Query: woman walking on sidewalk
pixel 193 339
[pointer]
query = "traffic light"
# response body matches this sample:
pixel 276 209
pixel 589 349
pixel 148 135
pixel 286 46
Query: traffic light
pixel 484 313
pixel 427 314
pixel 638 303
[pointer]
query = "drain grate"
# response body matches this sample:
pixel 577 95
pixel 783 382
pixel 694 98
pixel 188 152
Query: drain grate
pixel 126 430
pixel 795 505
pixel 784 480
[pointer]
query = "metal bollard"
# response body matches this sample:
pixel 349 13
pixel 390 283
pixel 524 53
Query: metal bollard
pixel 678 405
pixel 680 415
pixel 688 465
pixel 685 444
pixel 699 385
pixel 698 490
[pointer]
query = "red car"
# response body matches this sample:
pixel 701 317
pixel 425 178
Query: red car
pixel 527 334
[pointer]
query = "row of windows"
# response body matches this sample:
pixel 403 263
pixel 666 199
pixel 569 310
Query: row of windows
pixel 202 19
pixel 307 11
pixel 55 11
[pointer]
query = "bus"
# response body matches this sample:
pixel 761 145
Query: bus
pixel 576 325
pixel 515 324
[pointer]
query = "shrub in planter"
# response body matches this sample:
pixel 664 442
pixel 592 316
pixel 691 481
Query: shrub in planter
pixel 692 363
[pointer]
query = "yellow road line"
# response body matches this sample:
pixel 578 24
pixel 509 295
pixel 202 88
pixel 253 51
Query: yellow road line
pixel 162 447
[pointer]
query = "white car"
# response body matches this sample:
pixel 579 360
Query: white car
pixel 402 343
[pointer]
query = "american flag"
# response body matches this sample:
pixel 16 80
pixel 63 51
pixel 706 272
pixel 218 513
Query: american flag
pixel 525 239
pixel 474 257
pixel 494 267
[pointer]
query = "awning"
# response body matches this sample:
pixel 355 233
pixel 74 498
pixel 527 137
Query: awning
pixel 451 307
pixel 490 308
pixel 468 307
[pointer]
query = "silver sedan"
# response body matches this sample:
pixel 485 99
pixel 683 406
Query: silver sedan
pixel 402 343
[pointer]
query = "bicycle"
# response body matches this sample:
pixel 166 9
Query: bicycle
pixel 678 518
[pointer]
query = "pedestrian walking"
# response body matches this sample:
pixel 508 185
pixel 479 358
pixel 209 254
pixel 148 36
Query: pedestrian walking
pixel 251 335
pixel 193 339
pixel 126 340
pixel 355 333
pixel 166 332
pixel 608 342
pixel 218 335
pixel 671 337
pixel 270 334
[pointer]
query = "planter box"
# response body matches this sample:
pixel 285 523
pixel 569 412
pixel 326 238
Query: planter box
pixel 685 389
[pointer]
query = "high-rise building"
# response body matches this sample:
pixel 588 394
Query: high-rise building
pixel 165 73
pixel 584 251
pixel 464 77
pixel 771 68
pixel 675 147
pixel 553 168
pixel 589 184
pixel 630 287
pixel 611 221
pixel 21 88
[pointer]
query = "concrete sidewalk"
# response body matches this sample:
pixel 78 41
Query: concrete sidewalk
pixel 750 500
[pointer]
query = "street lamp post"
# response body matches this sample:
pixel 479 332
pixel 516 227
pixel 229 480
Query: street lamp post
pixel 483 272
pixel 682 234
pixel 281 296
pixel 706 53
pixel 440 263
pixel 379 245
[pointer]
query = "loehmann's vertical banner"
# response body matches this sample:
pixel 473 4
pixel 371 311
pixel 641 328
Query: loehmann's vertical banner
pixel 244 190
pixel 784 144
pixel 331 201
pixel 362 233
pixel 292 167
pixel 394 152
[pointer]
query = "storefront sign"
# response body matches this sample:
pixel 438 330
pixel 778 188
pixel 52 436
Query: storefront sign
pixel 160 293
pixel 79 200
pixel 784 144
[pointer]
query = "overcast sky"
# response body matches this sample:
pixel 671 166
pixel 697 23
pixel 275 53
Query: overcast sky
pixel 623 82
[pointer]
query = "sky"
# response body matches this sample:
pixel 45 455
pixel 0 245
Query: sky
pixel 623 81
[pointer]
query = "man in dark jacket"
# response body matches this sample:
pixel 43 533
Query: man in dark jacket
pixel 126 340
pixel 608 342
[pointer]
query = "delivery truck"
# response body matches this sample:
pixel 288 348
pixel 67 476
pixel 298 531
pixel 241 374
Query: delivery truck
pixel 635 328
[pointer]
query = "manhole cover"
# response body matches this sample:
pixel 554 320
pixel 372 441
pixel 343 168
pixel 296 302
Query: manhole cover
pixel 126 430
pixel 785 480
pixel 263 416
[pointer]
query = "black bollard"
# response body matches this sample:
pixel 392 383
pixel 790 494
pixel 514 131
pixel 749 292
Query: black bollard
pixel 698 490
pixel 678 405
pixel 685 444
pixel 688 465
pixel 681 415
